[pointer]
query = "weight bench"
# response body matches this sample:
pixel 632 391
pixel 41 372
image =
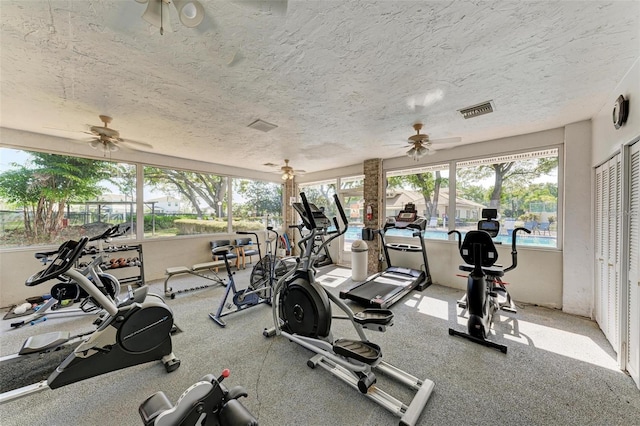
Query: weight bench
pixel 197 270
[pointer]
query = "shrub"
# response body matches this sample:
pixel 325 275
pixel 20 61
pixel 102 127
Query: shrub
pixel 196 226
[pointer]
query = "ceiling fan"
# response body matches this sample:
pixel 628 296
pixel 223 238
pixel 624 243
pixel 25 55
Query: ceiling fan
pixel 190 13
pixel 108 139
pixel 421 145
pixel 287 171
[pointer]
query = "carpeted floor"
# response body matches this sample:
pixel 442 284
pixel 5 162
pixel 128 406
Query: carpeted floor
pixel 559 369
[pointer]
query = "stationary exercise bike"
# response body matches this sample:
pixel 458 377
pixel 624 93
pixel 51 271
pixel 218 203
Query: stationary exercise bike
pixel 264 275
pixel 302 314
pixel 205 403
pixel 131 333
pixel 486 292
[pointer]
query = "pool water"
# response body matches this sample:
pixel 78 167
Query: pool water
pixel 355 233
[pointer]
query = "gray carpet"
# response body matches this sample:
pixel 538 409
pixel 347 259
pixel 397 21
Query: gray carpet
pixel 559 370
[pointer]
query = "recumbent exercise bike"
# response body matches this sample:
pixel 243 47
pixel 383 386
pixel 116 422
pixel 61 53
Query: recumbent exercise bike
pixel 205 403
pixel 486 292
pixel 302 314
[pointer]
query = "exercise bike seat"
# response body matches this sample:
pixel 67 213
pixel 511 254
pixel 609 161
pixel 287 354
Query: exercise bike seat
pixel 151 408
pixel 234 413
pixel 494 271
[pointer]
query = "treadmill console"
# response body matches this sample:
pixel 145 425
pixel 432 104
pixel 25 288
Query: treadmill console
pixel 322 221
pixel 406 216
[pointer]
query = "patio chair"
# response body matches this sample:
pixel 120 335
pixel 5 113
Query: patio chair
pixel 543 228
pixel 531 225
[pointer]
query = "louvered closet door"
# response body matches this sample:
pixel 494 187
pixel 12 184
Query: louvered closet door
pixel 607 229
pixel 633 333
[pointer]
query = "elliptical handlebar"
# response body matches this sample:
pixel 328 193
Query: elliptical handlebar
pixel 307 209
pixel 514 251
pixel 112 231
pixel 343 216
pixel 311 221
pixel 68 253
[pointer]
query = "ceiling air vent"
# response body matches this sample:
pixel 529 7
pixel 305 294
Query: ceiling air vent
pixel 261 125
pixel 476 110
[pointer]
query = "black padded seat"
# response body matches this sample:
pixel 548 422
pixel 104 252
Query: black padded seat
pixel 221 243
pixel 482 240
pixel 248 247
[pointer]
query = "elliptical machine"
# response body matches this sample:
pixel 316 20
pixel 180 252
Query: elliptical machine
pixel 486 292
pixel 302 314
pixel 130 334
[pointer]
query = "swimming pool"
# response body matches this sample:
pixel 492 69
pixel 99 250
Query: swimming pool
pixel 355 233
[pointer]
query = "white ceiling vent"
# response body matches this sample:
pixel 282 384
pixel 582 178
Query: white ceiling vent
pixel 476 110
pixel 261 125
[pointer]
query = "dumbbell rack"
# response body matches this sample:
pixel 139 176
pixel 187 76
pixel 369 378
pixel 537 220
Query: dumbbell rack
pixel 132 273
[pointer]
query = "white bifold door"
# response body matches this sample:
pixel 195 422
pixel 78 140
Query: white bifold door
pixel 617 255
pixel 633 264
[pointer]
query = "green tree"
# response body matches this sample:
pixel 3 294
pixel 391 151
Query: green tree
pixel 471 192
pixel 260 198
pixel 322 196
pixel 192 186
pixel 521 171
pixel 428 184
pixel 45 185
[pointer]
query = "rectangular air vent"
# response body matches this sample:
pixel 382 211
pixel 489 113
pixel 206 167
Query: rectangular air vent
pixel 261 125
pixel 476 110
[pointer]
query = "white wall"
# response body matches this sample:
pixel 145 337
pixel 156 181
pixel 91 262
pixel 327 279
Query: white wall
pixel 577 277
pixel 606 140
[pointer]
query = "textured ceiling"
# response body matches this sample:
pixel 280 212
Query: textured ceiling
pixel 341 80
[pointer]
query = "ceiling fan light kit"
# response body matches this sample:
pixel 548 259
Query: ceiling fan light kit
pixel 422 145
pixel 190 13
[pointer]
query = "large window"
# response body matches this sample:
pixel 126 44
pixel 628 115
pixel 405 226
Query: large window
pixel 48 198
pixel 321 194
pixel 179 202
pixel 427 188
pixel 352 199
pixel 524 189
pixel 256 204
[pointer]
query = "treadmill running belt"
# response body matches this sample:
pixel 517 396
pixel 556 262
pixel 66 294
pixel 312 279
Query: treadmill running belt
pixel 383 287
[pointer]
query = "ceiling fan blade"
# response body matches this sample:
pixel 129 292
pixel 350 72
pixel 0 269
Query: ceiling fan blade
pixel 134 143
pixel 157 14
pixel 276 7
pixel 445 140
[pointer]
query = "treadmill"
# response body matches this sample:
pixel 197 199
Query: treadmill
pixel 389 286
